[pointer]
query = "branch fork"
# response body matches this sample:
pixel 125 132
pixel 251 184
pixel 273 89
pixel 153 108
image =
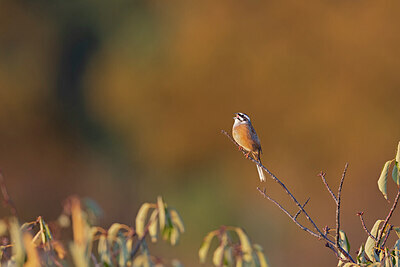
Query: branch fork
pixel 340 253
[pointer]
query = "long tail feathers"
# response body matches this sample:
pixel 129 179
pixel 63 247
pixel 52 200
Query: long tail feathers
pixel 261 174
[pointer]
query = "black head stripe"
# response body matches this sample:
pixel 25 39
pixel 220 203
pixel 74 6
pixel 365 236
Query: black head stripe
pixel 243 117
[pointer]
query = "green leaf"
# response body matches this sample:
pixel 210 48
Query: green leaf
pixel 218 256
pixel 176 220
pixel 382 182
pixel 343 241
pixel 45 234
pixel 370 244
pixel 361 255
pixel 395 173
pixel 91 235
pixel 123 251
pixel 141 219
pixel 228 255
pixel 397 229
pixel 153 229
pixel 260 254
pixel 245 244
pixel 161 213
pixel 396 252
pixel 398 153
pixel 206 245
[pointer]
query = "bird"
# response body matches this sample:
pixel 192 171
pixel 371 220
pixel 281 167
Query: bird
pixel 244 134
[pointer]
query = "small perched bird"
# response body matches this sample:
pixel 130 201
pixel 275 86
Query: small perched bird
pixel 245 135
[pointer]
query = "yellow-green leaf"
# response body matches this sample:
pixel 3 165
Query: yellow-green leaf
pixel 176 220
pixel 239 261
pixel 245 244
pixel 78 255
pixel 343 241
pixel 370 244
pixel 349 264
pixel 103 250
pixel 153 229
pixel 174 237
pixel 388 258
pixel 228 254
pixel 112 232
pixel 398 153
pixel 397 229
pixel 33 259
pixel 139 261
pixel 16 240
pixel 206 245
pixel 129 244
pixel 396 252
pixel 141 219
pixel 218 256
pixel 161 213
pixel 260 254
pixel 395 173
pixel 382 182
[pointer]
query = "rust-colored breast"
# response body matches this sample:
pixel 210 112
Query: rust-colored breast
pixel 242 135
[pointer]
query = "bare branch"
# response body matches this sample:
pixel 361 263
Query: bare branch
pixel 338 206
pixel 319 234
pixel 388 217
pixel 330 246
pixel 6 197
pixel 322 175
pixel 287 213
pixel 298 213
pixel 360 214
pixel 387 235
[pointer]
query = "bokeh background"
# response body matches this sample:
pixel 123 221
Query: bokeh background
pixel 121 101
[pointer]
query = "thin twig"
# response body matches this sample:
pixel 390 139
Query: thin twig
pixel 322 175
pixel 360 214
pixel 287 213
pixel 140 241
pixel 298 213
pixel 338 206
pixel 387 235
pixel 388 217
pixel 6 197
pixel 328 245
pixel 320 234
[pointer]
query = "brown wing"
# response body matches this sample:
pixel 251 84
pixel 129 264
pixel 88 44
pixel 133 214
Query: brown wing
pixel 256 144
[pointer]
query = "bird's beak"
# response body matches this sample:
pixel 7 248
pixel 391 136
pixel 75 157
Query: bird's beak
pixel 236 115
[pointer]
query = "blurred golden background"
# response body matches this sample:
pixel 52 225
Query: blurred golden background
pixel 122 101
